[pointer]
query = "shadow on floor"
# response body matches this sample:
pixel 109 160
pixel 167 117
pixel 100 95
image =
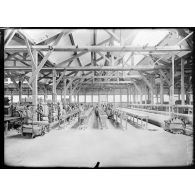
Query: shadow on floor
pixel 19 136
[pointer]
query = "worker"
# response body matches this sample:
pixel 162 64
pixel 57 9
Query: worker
pixel 97 114
pixel 29 116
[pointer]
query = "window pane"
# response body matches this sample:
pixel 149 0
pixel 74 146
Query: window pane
pixel 124 98
pixel 81 98
pixel 110 98
pixel 117 98
pixel 95 98
pixel 88 98
pixel 16 98
pixel 103 98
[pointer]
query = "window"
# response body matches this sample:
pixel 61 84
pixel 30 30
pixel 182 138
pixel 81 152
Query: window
pixel 103 98
pixel 95 98
pixel 49 97
pixel 15 98
pixel 81 98
pixel 58 97
pixel 88 98
pixel 110 98
pixel 124 98
pixel 117 98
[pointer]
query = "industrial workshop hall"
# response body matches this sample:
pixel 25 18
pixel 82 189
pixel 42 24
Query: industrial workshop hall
pixel 98 97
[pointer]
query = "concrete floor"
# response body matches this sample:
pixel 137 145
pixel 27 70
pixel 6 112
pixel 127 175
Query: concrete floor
pixel 71 147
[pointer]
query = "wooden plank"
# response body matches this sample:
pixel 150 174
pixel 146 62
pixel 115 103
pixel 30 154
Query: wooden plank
pixel 89 68
pixel 101 48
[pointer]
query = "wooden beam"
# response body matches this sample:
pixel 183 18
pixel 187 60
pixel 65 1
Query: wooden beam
pixel 89 68
pixel 62 75
pixel 35 86
pixel 182 83
pixel 54 95
pixel 23 34
pixel 73 43
pixel 42 63
pixel 166 79
pixel 79 54
pixel 181 41
pixel 113 35
pixel 29 51
pixel 94 43
pixel 100 48
pixel 9 37
pixel 64 91
pixel 104 57
pixel 173 81
pixel 161 89
pixel 28 84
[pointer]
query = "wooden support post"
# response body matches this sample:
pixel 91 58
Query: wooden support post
pixel 139 91
pixel 141 95
pixel 12 97
pixel 157 90
pixel 132 59
pixel 150 87
pixel 20 90
pixel 172 81
pixel 78 97
pixel 85 97
pixel 128 95
pixel 61 94
pixel 64 91
pixel 35 84
pixel 134 96
pixel 161 89
pixel 165 77
pixel 70 93
pixel 54 95
pixel 120 98
pixel 45 95
pixel 92 59
pixel 114 97
pixel 92 97
pixel 146 96
pixel 182 83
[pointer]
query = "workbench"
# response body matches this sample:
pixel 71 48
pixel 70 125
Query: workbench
pixel 133 114
pixel 8 119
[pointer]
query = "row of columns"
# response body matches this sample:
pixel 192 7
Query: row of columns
pixel 129 90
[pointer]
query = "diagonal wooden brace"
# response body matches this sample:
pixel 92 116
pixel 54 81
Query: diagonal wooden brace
pixel 167 80
pixel 40 66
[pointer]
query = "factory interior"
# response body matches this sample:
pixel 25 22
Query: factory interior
pixel 106 97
